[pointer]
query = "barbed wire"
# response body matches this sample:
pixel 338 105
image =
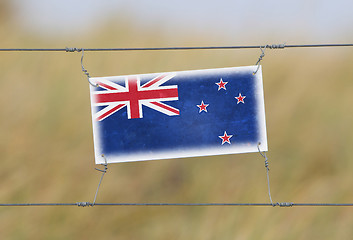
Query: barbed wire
pixel 270 46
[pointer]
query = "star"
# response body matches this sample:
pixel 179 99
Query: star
pixel 240 98
pixel 225 138
pixel 203 107
pixel 221 85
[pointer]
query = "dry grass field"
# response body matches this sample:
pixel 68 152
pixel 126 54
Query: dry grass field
pixel 46 146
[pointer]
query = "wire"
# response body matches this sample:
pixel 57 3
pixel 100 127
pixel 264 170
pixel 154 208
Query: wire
pixel 103 172
pixel 36 204
pixel 284 204
pixel 263 154
pixel 273 46
pixel 88 204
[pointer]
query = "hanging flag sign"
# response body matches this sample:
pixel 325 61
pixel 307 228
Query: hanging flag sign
pixel 178 114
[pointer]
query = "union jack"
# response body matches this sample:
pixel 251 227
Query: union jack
pixel 133 96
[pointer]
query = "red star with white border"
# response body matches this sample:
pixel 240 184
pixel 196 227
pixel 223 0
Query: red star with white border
pixel 221 85
pixel 225 138
pixel 203 106
pixel 240 98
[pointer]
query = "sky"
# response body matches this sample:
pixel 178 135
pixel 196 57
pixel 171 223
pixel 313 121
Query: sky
pixel 314 20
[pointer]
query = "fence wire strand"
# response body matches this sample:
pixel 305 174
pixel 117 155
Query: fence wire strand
pixel 88 204
pixel 268 46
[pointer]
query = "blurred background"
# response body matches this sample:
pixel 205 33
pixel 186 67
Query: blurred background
pixel 46 141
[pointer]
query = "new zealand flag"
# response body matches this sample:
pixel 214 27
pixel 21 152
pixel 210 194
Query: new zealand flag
pixel 178 114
